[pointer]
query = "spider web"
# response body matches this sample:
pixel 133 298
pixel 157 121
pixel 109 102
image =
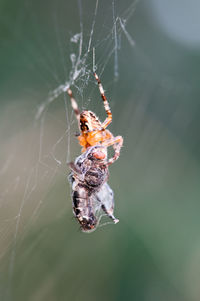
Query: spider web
pixel 152 85
pixel 34 187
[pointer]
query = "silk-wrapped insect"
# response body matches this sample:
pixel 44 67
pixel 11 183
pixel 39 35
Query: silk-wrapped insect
pixel 90 191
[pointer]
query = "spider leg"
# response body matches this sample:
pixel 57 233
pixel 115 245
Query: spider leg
pixel 108 120
pixel 74 105
pixel 117 143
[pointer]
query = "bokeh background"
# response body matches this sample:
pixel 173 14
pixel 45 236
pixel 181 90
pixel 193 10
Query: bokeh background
pixel 150 71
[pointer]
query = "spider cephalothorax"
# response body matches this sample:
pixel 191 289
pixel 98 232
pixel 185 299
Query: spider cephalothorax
pixel 89 122
pixel 93 132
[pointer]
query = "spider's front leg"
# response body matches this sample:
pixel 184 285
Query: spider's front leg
pixel 106 104
pixel 74 105
pixel 116 143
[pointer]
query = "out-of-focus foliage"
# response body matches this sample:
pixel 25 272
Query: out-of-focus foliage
pixel 153 253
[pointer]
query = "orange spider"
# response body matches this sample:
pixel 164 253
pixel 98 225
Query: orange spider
pixel 93 132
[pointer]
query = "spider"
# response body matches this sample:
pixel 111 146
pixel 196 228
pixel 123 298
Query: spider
pixel 90 192
pixel 93 132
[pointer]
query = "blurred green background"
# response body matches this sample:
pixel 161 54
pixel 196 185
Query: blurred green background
pixel 153 254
